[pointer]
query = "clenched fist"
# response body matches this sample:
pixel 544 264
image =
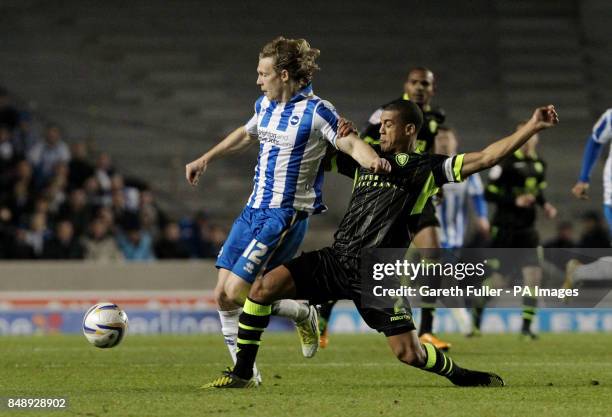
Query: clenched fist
pixel 544 117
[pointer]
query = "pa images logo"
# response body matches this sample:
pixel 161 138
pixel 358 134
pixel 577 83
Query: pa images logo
pixel 401 159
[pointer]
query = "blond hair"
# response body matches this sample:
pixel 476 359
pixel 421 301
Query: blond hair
pixel 293 55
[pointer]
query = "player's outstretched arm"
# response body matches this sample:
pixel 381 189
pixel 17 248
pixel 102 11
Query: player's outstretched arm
pixel 234 142
pixel 543 118
pixel 363 153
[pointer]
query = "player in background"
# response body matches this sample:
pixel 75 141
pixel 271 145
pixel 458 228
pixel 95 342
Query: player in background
pixel 292 127
pixel 419 88
pixel 378 204
pixel 451 211
pixel 602 134
pixel 516 187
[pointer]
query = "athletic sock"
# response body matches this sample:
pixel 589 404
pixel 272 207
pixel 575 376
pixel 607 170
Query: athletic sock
pixel 441 364
pixel 479 305
pixel 290 309
pixel 529 311
pixel 229 329
pixel 438 363
pixel 477 313
pixel 530 304
pixel 254 319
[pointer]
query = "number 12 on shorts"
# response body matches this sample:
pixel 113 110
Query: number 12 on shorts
pixel 255 252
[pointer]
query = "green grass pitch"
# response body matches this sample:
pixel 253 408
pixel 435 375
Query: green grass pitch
pixel 559 375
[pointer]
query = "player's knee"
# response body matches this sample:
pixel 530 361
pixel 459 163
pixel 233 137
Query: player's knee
pixel 235 295
pixel 222 299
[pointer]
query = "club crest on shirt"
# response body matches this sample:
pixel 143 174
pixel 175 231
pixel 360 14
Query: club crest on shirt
pixel 401 159
pixel 294 120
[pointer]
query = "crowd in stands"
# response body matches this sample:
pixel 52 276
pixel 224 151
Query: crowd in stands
pixel 59 202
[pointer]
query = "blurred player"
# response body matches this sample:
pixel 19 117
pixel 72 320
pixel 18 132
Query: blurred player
pixel 602 134
pixel 453 216
pixel 377 205
pixel 517 189
pixel 292 127
pixel 452 210
pixel 419 88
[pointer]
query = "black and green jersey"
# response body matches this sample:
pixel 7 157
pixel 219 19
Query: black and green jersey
pixel 517 174
pixel 433 117
pixel 381 204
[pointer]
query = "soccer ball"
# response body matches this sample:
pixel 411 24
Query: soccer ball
pixel 105 325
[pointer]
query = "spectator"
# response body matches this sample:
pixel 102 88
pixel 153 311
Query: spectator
pixel 170 245
pixel 564 237
pixel 37 234
pixel 45 155
pixel 106 215
pixel 118 207
pixel 104 172
pixel 79 168
pixel 94 195
pixel 217 237
pixel 24 137
pixel 196 233
pixel 563 240
pixel 64 245
pixel 8 158
pixel 152 217
pixel 135 244
pixel 55 190
pixel 131 195
pixel 99 244
pixel 77 211
pixel 21 248
pixel 595 233
pixel 20 201
pixel 6 232
pixel 7 153
pixel 41 206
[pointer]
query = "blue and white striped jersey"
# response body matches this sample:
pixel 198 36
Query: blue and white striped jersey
pixel 452 212
pixel 602 134
pixel 293 138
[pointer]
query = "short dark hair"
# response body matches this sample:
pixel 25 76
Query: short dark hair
pixel 420 69
pixel 410 113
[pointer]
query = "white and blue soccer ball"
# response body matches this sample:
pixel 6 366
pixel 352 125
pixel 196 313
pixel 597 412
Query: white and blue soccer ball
pixel 105 325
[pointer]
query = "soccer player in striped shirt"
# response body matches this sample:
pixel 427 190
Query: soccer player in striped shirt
pixel 602 134
pixel 292 127
pixel 379 203
pixel 452 210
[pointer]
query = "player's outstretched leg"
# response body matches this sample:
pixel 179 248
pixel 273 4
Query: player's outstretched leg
pixel 428 242
pixel 306 323
pixel 408 349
